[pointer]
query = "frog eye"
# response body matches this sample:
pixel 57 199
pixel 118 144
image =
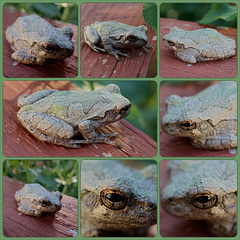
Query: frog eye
pixel 44 202
pixel 48 47
pixel 113 199
pixel 171 43
pixel 188 125
pixel 131 38
pixel 125 109
pixel 204 201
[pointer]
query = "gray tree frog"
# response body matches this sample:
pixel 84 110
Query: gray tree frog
pixel 209 118
pixel 199 45
pixel 117 200
pixel 34 40
pixel 203 190
pixel 34 200
pixel 59 117
pixel 110 36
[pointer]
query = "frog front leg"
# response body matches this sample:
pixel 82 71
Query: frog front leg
pixel 186 57
pixel 223 228
pixel 29 211
pixel 27 58
pixel 110 50
pixel 92 39
pixel 88 130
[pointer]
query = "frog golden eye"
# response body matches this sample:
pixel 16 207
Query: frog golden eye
pixel 125 109
pixel 171 43
pixel 188 125
pixel 131 38
pixel 204 201
pixel 48 47
pixel 113 199
pixel 44 202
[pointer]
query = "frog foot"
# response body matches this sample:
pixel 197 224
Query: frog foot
pixel 117 52
pixel 147 47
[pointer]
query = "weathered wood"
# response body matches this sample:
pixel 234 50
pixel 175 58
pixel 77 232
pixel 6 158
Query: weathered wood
pixel 171 226
pixel 172 67
pixel 63 223
pixel 171 146
pixel 67 68
pixel 18 142
pixel 101 65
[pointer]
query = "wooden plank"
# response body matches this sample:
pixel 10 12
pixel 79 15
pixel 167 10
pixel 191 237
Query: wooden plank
pixel 101 65
pixel 171 146
pixel 178 227
pixel 67 68
pixel 18 142
pixel 172 67
pixel 63 223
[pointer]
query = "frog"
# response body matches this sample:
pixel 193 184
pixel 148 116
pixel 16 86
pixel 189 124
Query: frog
pixel 199 45
pixel 109 37
pixel 208 118
pixel 117 199
pixel 35 200
pixel 203 190
pixel 34 40
pixel 64 117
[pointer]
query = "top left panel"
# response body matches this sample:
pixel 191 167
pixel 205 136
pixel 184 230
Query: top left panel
pixel 40 40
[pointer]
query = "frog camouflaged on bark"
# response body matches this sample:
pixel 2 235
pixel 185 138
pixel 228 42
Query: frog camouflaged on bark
pixel 111 36
pixel 59 117
pixel 203 190
pixel 34 40
pixel 35 200
pixel 199 45
pixel 117 200
pixel 209 118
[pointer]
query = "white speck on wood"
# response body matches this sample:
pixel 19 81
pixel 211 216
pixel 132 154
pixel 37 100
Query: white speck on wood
pixel 189 64
pixel 233 151
pixel 104 61
pixel 154 38
pixel 73 232
pixel 107 154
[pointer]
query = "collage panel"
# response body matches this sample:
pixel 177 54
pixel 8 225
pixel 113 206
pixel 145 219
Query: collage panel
pixel 118 40
pixel 198 118
pixel 40 40
pixel 40 198
pixel 198 38
pixel 119 198
pixel 62 118
pixel 199 198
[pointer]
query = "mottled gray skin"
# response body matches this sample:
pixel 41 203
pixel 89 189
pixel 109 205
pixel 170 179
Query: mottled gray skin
pixel 34 40
pixel 139 191
pixel 60 116
pixel 203 190
pixel 209 118
pixel 110 36
pixel 35 200
pixel 199 45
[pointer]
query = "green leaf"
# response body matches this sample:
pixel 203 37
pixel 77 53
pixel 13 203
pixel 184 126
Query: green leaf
pixel 150 15
pixel 220 11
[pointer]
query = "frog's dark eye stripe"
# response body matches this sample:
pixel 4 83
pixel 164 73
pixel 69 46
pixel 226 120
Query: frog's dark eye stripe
pixel 44 202
pixel 48 47
pixel 131 38
pixel 113 199
pixel 188 125
pixel 204 201
pixel 125 109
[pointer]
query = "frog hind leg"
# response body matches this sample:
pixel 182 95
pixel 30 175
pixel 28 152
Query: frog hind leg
pixel 26 58
pixel 48 128
pixel 110 50
pixel 226 142
pixel 92 39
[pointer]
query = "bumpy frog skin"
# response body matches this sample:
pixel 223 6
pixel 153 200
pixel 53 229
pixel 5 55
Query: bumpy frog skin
pixel 34 40
pixel 59 116
pixel 110 36
pixel 203 190
pixel 117 199
pixel 199 45
pixel 35 200
pixel 209 118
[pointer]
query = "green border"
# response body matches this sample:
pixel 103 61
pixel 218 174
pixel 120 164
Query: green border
pixel 158 79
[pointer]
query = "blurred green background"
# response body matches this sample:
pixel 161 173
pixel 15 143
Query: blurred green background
pixel 65 12
pixel 143 97
pixel 54 175
pixel 219 14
